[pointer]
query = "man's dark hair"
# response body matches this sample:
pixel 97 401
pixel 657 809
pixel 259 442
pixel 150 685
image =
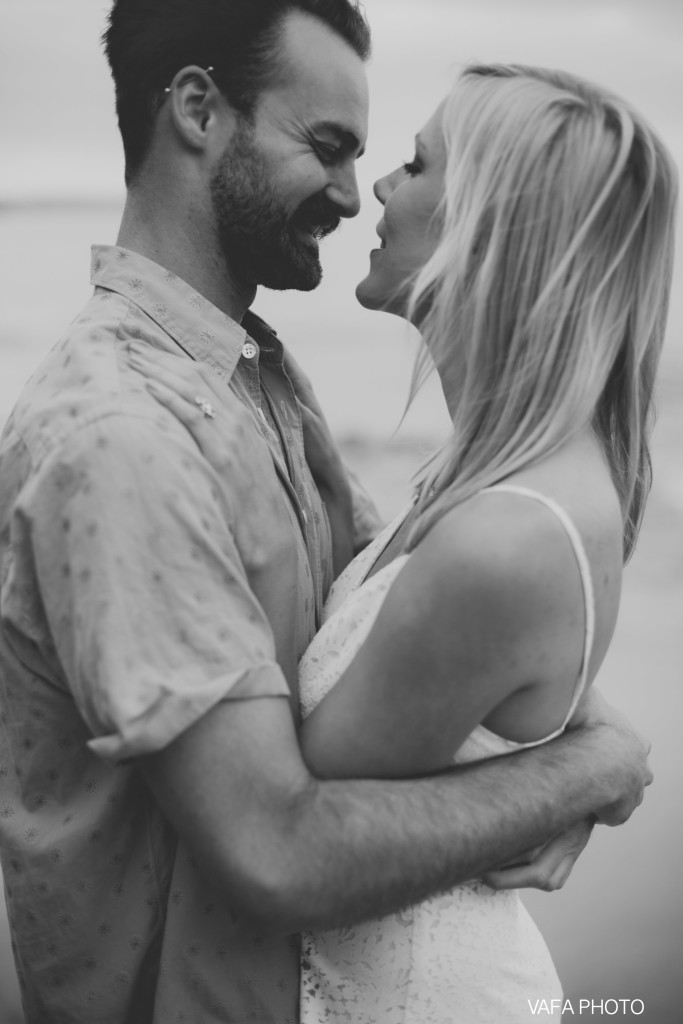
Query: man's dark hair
pixel 148 41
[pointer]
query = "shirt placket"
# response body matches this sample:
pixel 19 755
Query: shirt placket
pixel 276 427
pixel 281 399
pixel 201 339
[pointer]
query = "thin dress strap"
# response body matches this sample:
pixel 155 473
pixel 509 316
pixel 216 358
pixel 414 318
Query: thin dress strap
pixel 586 580
pixel 358 570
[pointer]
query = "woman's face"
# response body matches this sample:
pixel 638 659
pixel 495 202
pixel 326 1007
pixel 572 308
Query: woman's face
pixel 408 229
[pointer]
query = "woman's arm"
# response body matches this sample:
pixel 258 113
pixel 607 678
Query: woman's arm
pixel 485 614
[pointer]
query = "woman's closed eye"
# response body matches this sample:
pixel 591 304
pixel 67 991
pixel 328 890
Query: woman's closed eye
pixel 412 167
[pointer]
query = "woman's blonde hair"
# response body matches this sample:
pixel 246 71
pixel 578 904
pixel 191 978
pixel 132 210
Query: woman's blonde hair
pixel 546 299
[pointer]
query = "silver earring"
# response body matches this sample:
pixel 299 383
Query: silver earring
pixel 207 70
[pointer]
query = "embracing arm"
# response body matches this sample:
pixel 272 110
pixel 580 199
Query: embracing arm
pixel 290 852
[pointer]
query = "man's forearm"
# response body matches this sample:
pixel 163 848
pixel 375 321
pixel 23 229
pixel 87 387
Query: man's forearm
pixel 289 852
pixel 362 849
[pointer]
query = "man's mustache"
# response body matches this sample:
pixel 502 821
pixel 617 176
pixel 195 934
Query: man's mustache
pixel 318 216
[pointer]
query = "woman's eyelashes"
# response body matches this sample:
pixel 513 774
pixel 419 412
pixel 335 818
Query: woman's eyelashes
pixel 412 167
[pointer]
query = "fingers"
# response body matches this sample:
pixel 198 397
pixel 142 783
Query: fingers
pixel 189 406
pixel 619 812
pixel 190 381
pixel 591 709
pixel 188 413
pixel 211 382
pixel 517 878
pixel 186 377
pixel 162 369
pixel 550 869
pixel 538 876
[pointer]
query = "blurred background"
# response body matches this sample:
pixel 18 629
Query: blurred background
pixel 616 930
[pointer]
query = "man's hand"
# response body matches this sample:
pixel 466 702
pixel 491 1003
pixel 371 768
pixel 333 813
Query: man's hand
pixel 630 751
pixel 547 867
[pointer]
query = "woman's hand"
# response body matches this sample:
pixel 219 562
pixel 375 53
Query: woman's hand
pixel 326 466
pixel 225 432
pixel 547 867
pixel 630 749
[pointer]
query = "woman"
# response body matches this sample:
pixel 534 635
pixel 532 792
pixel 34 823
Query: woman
pixel 530 241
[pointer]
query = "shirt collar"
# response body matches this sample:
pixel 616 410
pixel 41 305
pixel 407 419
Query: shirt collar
pixel 199 327
pixel 270 346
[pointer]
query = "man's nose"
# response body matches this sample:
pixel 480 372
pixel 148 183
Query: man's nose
pixel 343 192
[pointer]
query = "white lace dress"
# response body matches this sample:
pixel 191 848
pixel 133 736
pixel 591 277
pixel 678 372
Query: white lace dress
pixel 468 956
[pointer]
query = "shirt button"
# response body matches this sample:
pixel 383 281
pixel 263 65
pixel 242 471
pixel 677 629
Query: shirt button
pixel 249 350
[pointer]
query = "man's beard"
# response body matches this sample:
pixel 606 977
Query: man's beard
pixel 260 241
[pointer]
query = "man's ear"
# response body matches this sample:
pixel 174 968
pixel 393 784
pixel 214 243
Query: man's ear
pixel 196 106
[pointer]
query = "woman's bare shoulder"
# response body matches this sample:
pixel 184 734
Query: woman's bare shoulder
pixel 493 542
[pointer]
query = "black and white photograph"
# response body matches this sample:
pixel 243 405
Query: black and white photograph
pixel 341 511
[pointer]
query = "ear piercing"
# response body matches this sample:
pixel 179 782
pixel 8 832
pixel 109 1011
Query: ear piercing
pixel 207 70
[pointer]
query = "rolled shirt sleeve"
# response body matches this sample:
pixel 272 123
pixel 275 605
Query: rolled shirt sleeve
pixel 145 597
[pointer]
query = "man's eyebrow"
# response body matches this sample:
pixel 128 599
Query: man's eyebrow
pixel 348 139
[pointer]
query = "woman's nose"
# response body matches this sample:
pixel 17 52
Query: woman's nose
pixel 382 189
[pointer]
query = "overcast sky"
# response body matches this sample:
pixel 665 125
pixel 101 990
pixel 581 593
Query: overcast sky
pixel 59 138
pixel 56 106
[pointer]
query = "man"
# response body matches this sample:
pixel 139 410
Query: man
pixel 162 839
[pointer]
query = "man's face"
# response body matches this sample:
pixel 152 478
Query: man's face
pixel 285 180
pixel 263 242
